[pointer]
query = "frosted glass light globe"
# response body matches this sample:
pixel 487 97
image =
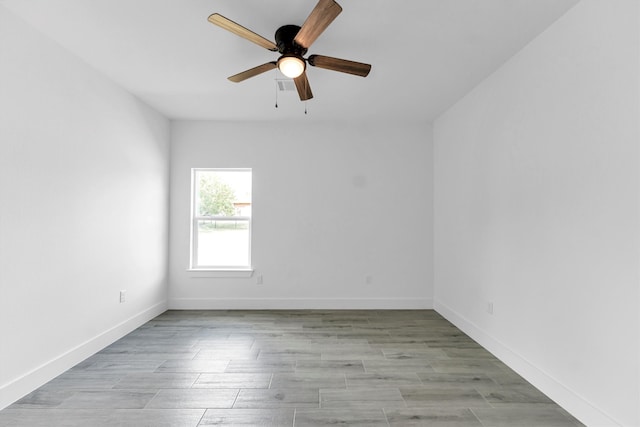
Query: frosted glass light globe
pixel 291 66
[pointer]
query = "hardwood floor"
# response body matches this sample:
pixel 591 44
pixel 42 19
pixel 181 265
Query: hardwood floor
pixel 290 368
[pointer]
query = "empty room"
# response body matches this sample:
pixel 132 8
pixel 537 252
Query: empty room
pixel 311 213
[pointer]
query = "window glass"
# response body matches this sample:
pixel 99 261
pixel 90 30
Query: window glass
pixel 221 221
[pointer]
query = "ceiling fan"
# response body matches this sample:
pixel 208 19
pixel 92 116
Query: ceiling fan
pixel 293 42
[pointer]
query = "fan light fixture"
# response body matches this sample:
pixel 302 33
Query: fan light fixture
pixel 292 43
pixel 291 66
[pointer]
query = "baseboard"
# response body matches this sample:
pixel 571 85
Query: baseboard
pixel 300 303
pixel 571 401
pixel 16 389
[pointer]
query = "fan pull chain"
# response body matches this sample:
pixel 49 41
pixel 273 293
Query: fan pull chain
pixel 305 107
pixel 276 92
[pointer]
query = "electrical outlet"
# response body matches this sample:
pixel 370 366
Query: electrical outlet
pixel 368 280
pixel 259 280
pixel 490 307
pixel 123 296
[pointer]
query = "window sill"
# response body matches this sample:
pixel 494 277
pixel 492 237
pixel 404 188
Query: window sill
pixel 197 273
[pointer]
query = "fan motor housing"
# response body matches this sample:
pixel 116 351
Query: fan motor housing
pixel 284 40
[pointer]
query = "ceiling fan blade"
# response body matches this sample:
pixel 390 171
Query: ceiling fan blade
pixel 237 78
pixel 318 20
pixel 302 84
pixel 241 31
pixel 342 65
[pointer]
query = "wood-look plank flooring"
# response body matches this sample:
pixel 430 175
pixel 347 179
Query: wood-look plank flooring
pixel 290 368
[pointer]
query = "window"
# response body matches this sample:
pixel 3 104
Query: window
pixel 221 219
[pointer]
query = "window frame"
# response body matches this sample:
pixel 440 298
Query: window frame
pixel 195 219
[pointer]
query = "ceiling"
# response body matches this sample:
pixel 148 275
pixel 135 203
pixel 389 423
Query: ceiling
pixel 426 54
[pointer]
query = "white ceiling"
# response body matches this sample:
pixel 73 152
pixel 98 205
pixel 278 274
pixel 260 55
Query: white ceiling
pixel 426 54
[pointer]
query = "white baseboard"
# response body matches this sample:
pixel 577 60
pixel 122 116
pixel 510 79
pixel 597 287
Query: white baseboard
pixel 300 303
pixel 16 389
pixel 571 401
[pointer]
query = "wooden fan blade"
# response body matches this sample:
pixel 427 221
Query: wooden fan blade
pixel 237 78
pixel 342 65
pixel 302 84
pixel 318 20
pixel 241 31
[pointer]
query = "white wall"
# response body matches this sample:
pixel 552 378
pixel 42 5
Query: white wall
pixel 332 204
pixel 83 210
pixel 536 210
